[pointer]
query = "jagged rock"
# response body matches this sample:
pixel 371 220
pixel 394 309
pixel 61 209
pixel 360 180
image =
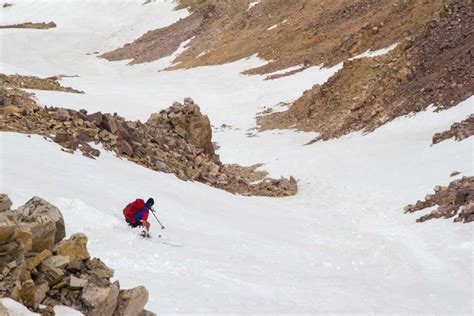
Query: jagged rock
pixel 131 302
pixel 36 260
pixel 77 283
pixel 103 300
pixel 146 313
pixel 75 247
pixel 97 267
pixel 5 202
pixel 57 261
pixel 108 122
pixel 35 214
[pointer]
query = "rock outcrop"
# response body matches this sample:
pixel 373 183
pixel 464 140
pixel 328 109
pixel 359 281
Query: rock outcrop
pixel 177 140
pixel 455 200
pixel 39 268
pixel 459 131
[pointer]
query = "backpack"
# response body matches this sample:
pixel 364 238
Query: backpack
pixel 131 209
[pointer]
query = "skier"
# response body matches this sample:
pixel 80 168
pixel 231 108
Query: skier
pixel 136 214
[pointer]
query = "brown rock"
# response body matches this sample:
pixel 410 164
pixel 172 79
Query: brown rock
pixel 95 118
pixel 36 260
pixel 5 202
pixel 40 293
pixel 62 115
pixel 62 137
pixel 75 247
pixel 57 261
pixel 131 302
pixel 7 227
pixel 35 214
pixel 77 283
pixel 97 267
pixel 108 122
pixel 27 293
pixel 124 147
pixel 103 300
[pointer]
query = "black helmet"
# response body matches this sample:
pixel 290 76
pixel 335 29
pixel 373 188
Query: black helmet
pixel 150 202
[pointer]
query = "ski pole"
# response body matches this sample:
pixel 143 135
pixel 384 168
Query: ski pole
pixel 153 212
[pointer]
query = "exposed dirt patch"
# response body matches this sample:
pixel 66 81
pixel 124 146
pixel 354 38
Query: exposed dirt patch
pixel 177 140
pixel 433 67
pixel 29 25
pixel 288 33
pixel 459 131
pixel 457 199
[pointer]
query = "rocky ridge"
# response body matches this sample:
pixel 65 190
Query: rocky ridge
pixel 456 199
pixel 460 130
pixel 177 140
pixel 432 67
pixel 40 269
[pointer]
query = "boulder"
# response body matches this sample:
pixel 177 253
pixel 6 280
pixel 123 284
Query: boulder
pixel 102 300
pixel 75 247
pixel 37 212
pixel 131 302
pixel 5 202
pixel 43 232
pixel 146 313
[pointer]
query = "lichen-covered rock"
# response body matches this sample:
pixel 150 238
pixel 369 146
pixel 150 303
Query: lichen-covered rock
pixel 75 247
pixel 38 210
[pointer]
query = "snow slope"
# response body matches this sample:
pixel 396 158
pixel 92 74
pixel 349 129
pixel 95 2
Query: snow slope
pixel 342 245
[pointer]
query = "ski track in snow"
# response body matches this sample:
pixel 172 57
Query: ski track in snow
pixel 342 245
